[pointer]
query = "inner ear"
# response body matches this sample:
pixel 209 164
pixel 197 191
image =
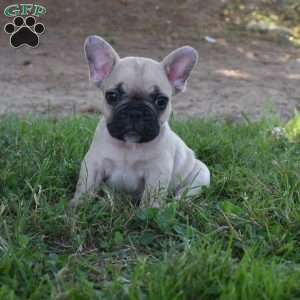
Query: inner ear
pixel 101 58
pixel 178 66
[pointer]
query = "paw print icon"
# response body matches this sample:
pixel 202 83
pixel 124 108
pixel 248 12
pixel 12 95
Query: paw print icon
pixel 24 31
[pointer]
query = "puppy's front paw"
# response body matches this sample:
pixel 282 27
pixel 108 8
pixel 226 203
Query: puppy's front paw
pixel 73 203
pixel 150 202
pixel 144 205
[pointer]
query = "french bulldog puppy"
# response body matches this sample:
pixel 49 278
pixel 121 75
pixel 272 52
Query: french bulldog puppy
pixel 134 150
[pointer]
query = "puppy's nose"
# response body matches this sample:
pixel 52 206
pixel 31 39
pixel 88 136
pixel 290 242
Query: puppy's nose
pixel 135 114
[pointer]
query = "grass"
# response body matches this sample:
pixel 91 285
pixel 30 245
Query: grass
pixel 240 239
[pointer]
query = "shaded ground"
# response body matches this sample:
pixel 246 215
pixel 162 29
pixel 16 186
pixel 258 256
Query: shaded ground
pixel 235 75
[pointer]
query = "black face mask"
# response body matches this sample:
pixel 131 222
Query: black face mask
pixel 136 119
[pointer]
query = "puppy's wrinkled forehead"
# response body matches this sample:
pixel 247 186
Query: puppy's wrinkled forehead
pixel 138 74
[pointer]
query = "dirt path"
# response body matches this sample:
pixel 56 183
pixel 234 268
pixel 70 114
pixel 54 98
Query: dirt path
pixel 234 75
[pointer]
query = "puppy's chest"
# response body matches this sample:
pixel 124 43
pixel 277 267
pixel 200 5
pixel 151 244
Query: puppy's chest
pixel 124 175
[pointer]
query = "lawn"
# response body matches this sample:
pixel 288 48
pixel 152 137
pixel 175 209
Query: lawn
pixel 239 239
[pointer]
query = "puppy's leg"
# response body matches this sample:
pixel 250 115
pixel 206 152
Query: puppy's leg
pixel 199 176
pixel 156 189
pixel 90 177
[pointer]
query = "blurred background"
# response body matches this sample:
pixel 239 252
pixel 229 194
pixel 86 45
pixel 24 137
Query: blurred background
pixel 249 55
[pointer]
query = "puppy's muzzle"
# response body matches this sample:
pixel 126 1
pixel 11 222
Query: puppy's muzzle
pixel 134 122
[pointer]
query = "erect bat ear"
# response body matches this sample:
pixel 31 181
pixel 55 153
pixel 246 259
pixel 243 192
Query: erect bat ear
pixel 101 58
pixel 178 66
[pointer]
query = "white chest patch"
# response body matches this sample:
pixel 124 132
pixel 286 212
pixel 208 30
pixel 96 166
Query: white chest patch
pixel 125 177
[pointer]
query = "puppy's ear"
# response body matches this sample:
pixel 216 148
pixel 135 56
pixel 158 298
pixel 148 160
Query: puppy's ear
pixel 101 58
pixel 178 66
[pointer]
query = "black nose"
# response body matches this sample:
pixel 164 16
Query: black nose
pixel 135 114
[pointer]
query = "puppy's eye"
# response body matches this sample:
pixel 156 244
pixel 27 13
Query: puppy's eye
pixel 161 102
pixel 112 97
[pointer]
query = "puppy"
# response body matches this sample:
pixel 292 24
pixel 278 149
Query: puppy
pixel 134 150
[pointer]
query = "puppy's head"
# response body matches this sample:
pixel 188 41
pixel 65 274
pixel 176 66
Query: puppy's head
pixel 137 90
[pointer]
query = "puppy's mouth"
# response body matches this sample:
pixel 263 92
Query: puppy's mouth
pixel 134 122
pixel 132 137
